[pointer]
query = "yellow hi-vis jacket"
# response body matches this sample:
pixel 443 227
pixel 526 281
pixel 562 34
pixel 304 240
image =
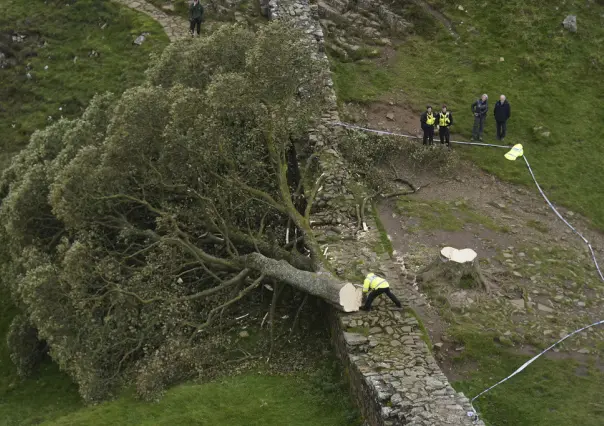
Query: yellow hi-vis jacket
pixel 430 119
pixel 515 152
pixel 373 282
pixel 443 119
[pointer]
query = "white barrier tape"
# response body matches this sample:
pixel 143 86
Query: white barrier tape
pixel 474 413
pixel 526 364
pixel 383 132
pixel 593 255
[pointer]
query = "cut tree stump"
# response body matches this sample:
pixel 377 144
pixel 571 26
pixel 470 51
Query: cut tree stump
pixel 458 267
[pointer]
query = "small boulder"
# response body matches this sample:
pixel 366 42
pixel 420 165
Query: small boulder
pixel 244 334
pixel 570 23
pixel 140 39
pixel 390 116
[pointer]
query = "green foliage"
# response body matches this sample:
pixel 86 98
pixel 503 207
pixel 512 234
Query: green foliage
pixel 26 351
pixel 62 35
pixel 375 157
pixel 117 226
pixel 551 77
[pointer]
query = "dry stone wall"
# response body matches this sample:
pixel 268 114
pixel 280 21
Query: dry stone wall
pixel 393 375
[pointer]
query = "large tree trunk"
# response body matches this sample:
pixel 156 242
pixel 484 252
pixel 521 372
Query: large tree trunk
pixel 344 296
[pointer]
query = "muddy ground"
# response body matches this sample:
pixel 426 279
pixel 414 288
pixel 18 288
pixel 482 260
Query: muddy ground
pixel 545 284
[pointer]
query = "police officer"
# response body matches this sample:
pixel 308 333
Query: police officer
pixel 444 120
pixel 427 121
pixel 479 108
pixel 377 285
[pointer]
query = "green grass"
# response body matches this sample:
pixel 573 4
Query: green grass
pixel 384 245
pixel 551 77
pixel 70 30
pixel 548 392
pixel 245 400
pixel 445 216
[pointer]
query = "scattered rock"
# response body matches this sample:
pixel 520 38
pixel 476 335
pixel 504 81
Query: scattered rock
pixel 354 339
pixel 244 334
pixel 583 351
pixel 546 134
pixel 497 205
pixel 390 116
pixel 460 7
pixel 438 346
pixel 501 59
pixel 508 255
pixel 544 308
pixel 140 39
pixel 570 23
pixel 517 274
pixel 518 303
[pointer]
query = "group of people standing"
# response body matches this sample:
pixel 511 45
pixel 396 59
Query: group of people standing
pixel 442 120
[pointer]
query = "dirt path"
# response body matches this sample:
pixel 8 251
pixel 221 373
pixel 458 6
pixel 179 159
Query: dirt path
pixel 543 270
pixel 174 26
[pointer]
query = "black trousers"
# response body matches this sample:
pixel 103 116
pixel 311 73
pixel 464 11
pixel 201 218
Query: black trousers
pixel 195 23
pixel 428 134
pixel 478 127
pixel 443 132
pixel 375 293
pixel 502 129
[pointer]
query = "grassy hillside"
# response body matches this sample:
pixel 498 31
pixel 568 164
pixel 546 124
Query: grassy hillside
pixel 552 78
pixel 250 400
pixel 71 50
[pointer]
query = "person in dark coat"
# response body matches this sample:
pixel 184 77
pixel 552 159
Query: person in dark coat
pixel 502 112
pixel 479 108
pixel 195 16
pixel 444 120
pixel 427 121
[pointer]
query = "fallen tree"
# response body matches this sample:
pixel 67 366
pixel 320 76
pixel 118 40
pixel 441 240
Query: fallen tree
pixel 161 209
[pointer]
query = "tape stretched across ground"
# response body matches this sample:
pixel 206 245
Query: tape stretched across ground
pixel 515 152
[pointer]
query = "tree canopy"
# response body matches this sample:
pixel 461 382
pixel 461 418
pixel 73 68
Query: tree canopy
pixel 125 232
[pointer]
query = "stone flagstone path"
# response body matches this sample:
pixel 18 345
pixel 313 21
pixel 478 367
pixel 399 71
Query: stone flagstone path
pixel 174 26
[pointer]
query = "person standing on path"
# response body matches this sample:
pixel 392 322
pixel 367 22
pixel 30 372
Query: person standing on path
pixel 377 285
pixel 427 121
pixel 195 16
pixel 502 112
pixel 444 119
pixel 480 109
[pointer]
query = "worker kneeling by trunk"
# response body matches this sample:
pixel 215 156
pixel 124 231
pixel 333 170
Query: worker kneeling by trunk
pixel 376 285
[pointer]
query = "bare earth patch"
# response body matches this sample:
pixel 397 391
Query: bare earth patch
pixel 546 283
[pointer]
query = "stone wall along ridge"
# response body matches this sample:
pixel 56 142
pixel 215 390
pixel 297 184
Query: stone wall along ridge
pixel 393 375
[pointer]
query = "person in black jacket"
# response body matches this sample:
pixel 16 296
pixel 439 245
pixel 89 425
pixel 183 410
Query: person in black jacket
pixel 427 121
pixel 444 120
pixel 195 16
pixel 502 112
pixel 480 109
